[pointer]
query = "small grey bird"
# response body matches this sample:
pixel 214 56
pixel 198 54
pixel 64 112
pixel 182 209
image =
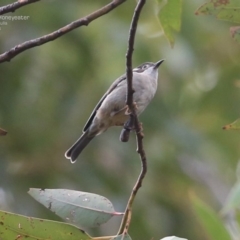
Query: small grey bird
pixel 111 110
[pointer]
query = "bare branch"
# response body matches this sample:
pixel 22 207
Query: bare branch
pixel 3 132
pixel 14 6
pixel 7 56
pixel 133 119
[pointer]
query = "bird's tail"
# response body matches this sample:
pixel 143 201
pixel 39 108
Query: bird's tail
pixel 73 152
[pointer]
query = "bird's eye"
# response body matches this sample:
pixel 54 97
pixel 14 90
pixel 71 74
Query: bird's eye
pixel 145 66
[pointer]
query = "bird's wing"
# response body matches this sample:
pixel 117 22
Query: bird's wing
pixel 111 88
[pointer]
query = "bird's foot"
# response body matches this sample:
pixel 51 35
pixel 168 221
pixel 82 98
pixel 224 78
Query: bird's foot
pixel 128 111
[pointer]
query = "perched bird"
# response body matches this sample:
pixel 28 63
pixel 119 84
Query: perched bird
pixel 111 110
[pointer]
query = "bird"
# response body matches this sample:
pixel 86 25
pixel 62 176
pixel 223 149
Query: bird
pixel 111 110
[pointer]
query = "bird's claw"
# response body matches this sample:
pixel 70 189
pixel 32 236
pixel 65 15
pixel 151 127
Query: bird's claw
pixel 128 111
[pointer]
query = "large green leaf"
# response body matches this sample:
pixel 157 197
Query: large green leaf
pixel 210 221
pixel 79 208
pixel 14 226
pixel 170 18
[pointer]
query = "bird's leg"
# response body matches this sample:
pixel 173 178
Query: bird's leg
pixel 128 111
pixel 128 126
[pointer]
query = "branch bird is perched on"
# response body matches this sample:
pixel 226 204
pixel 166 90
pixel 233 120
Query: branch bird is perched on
pixel 111 109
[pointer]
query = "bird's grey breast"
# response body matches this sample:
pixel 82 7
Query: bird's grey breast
pixel 145 87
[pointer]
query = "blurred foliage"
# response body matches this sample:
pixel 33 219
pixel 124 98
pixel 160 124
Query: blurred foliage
pixel 47 94
pixel 224 10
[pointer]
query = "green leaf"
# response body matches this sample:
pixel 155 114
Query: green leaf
pixel 228 11
pixel 233 126
pixel 207 9
pixel 235 32
pixel 229 14
pixel 119 237
pixel 170 18
pixel 210 221
pixel 14 226
pixel 173 238
pixel 79 208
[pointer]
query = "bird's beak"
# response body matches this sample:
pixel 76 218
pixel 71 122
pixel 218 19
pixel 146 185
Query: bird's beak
pixel 157 64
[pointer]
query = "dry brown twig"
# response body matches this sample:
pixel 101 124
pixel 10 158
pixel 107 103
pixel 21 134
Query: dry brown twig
pixel 8 55
pixel 134 119
pixel 14 6
pixel 3 132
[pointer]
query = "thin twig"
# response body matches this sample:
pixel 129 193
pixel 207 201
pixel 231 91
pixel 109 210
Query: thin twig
pixel 3 132
pixel 7 56
pixel 14 6
pixel 138 128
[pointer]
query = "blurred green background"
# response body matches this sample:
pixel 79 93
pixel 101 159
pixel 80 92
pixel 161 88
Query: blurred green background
pixel 47 94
